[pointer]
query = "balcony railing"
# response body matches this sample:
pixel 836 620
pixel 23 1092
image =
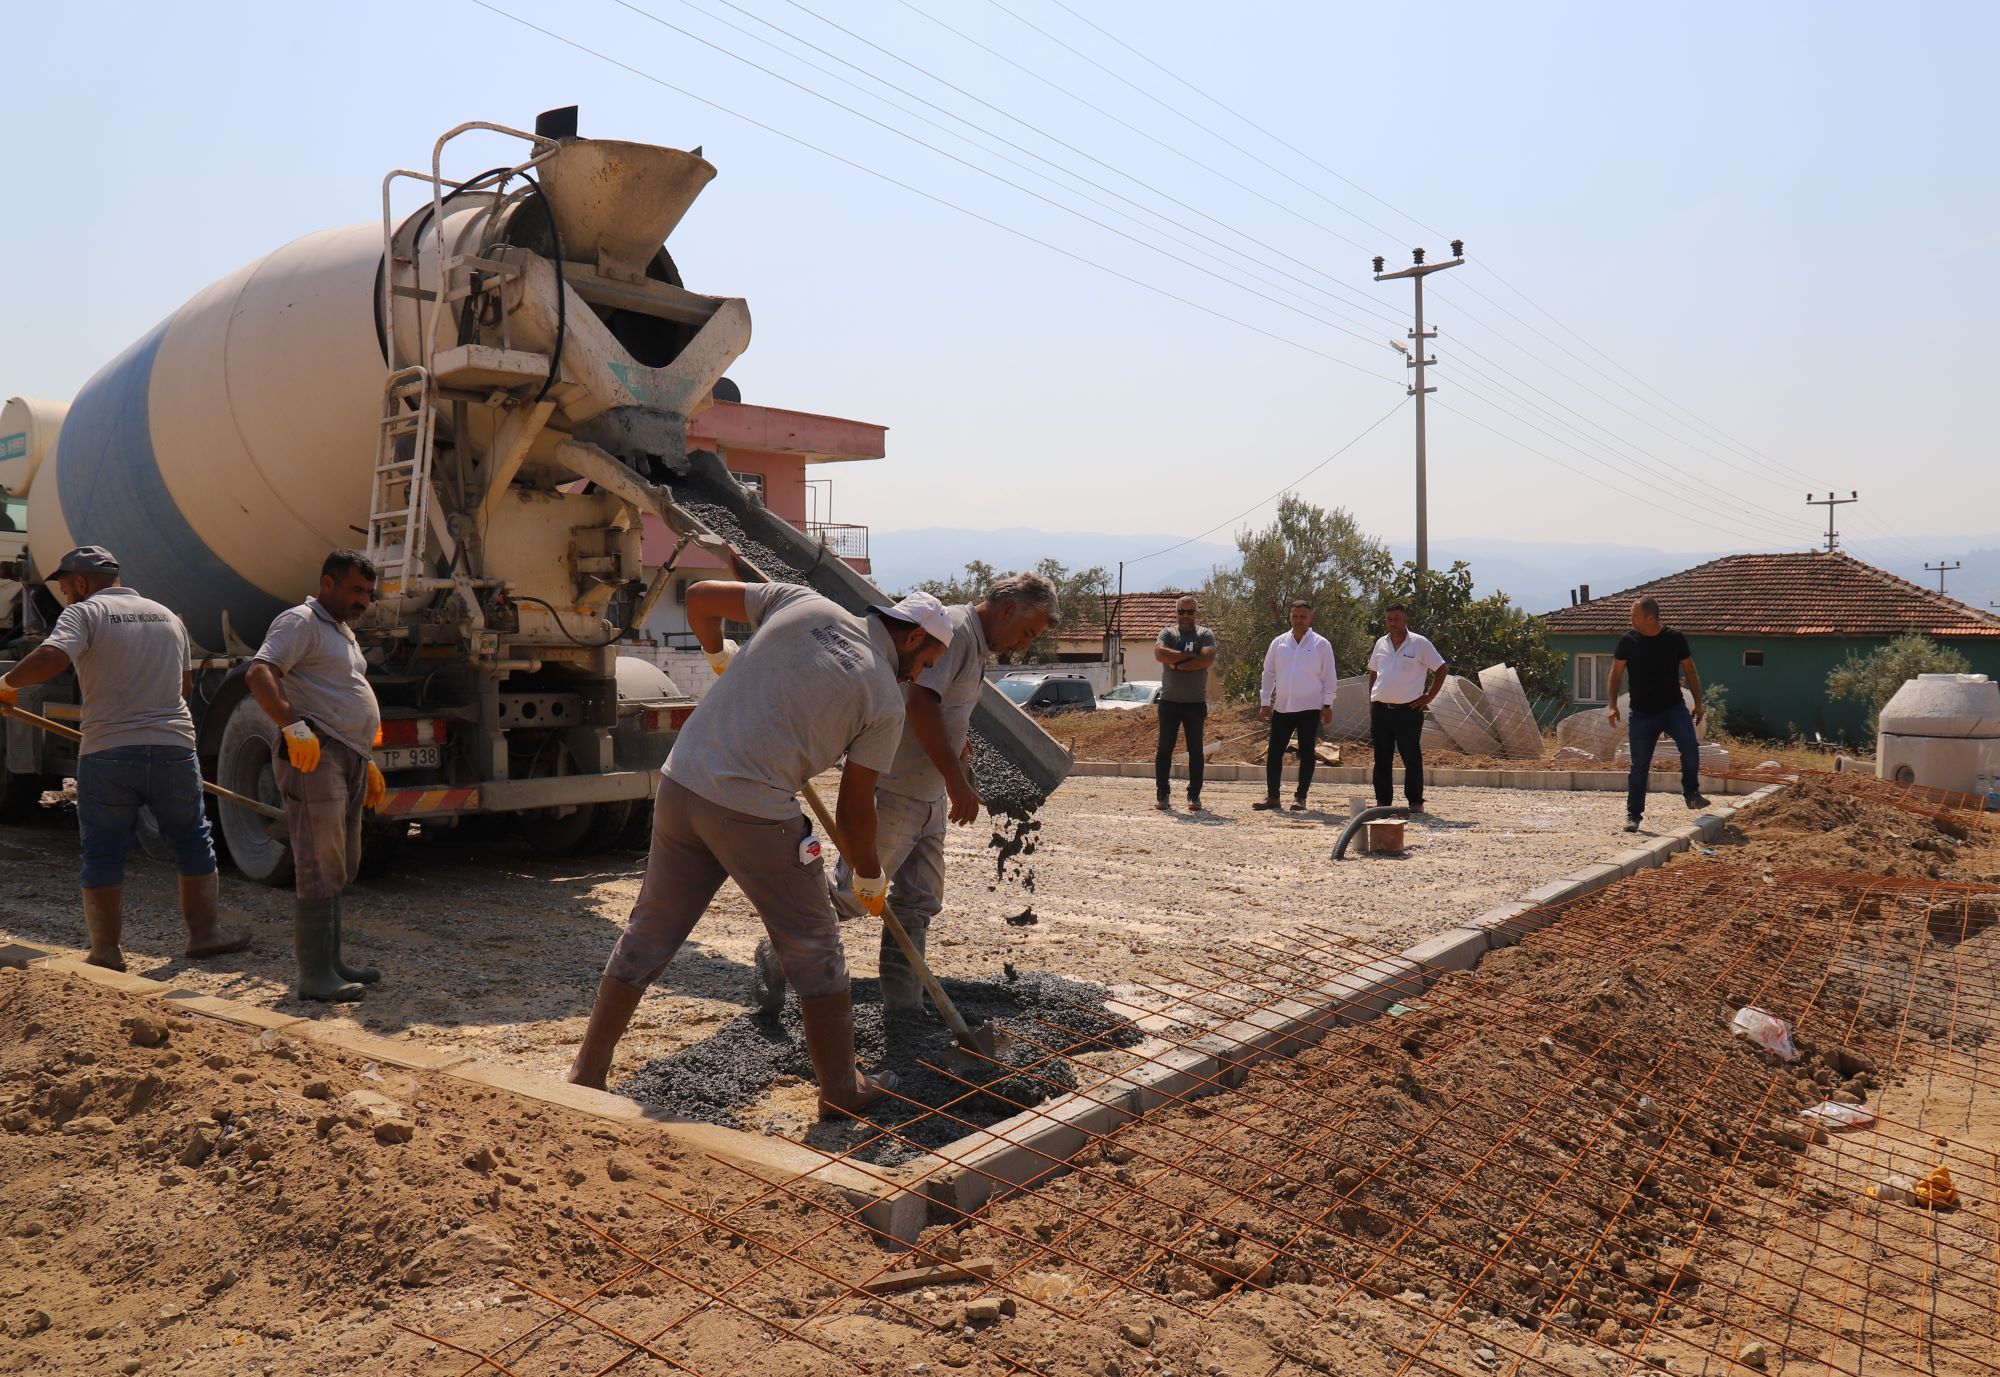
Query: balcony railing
pixel 846 541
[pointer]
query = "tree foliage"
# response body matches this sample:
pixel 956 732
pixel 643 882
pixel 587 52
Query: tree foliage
pixel 1874 678
pixel 1473 632
pixel 1307 552
pixel 1080 597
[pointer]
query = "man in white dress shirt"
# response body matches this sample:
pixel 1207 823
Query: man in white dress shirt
pixel 1405 672
pixel 1296 698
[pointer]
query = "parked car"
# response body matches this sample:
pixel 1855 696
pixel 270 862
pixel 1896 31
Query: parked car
pixel 1050 693
pixel 1133 693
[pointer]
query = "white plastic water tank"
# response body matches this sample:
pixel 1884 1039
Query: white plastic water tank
pixel 1941 731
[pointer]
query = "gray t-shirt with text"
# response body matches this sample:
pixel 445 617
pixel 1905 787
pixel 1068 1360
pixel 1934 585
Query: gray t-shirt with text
pixel 1184 685
pixel 813 684
pixel 326 676
pixel 958 679
pixel 130 654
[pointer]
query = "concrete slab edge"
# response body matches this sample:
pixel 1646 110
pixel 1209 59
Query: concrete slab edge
pixel 1036 1143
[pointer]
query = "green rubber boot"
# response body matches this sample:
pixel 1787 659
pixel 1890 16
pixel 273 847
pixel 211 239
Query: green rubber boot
pixel 313 940
pixel 365 975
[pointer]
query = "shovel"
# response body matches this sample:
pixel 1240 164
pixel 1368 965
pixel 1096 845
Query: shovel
pixel 71 734
pixel 985 1040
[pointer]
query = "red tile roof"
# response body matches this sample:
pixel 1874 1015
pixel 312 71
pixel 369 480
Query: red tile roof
pixel 1816 594
pixel 1140 615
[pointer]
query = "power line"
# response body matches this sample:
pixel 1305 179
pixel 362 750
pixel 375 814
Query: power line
pixel 1239 115
pixel 975 167
pixel 918 191
pixel 1122 122
pixel 1376 424
pixel 983 218
pixel 1640 498
pixel 1701 427
pixel 1329 291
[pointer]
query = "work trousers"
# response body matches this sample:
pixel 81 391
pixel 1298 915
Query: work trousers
pixel 1176 718
pixel 323 815
pixel 697 845
pixel 113 785
pixel 1397 729
pixel 909 842
pixel 1644 730
pixel 1285 726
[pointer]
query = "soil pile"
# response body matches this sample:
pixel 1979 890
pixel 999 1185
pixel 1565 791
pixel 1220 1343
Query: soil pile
pixel 180 1190
pixel 1814 826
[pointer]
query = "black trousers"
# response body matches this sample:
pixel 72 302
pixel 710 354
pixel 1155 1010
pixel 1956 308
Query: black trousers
pixel 1398 729
pixel 1176 718
pixel 1284 726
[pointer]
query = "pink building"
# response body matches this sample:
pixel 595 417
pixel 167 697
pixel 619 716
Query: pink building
pixel 775 452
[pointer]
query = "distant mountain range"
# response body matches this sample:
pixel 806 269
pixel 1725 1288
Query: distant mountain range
pixel 1535 575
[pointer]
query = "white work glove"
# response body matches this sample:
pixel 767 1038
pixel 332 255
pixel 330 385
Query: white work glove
pixel 718 660
pixel 873 892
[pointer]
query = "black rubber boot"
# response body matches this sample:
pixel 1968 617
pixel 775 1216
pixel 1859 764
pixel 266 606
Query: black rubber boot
pixel 767 978
pixel 313 941
pixel 366 975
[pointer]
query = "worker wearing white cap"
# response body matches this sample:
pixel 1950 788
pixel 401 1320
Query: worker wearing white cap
pixel 928 783
pixel 131 659
pixel 814 684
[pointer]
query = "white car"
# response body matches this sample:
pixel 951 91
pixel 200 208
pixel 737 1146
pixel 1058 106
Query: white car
pixel 1133 693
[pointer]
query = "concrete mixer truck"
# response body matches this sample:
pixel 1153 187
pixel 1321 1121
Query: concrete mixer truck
pixel 489 395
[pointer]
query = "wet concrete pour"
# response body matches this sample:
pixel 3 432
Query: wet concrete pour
pixel 739 1065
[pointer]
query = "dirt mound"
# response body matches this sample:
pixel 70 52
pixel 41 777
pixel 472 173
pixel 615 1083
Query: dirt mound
pixel 1813 825
pixel 179 1188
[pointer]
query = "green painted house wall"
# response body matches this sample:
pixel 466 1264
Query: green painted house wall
pixel 1789 690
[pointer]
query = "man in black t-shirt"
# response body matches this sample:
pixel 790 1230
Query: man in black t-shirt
pixel 1658 658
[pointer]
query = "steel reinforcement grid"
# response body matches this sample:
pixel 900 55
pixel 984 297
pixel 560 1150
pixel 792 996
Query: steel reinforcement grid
pixel 1562 1161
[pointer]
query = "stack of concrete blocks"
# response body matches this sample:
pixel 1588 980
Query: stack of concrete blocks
pixel 1505 705
pixel 1455 712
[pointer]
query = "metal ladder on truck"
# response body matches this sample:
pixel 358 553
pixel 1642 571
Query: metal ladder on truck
pixel 401 496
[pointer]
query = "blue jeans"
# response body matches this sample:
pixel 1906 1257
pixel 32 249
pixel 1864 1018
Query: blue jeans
pixel 112 786
pixel 1645 729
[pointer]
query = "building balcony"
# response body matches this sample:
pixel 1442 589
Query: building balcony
pixel 848 542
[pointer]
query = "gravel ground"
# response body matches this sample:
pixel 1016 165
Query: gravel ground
pixel 496 952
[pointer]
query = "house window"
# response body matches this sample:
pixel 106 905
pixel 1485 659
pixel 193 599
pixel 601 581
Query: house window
pixel 754 482
pixel 1753 659
pixel 1593 673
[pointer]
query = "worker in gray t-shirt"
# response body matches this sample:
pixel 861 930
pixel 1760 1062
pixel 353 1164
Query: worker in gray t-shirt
pixel 814 684
pixel 131 660
pixel 1186 652
pixel 311 680
pixel 928 784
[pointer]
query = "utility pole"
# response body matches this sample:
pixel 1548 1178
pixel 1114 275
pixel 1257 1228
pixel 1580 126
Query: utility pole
pixel 1941 569
pixel 1830 502
pixel 1417 272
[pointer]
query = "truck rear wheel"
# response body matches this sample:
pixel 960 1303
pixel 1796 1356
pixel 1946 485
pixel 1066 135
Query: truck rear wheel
pixel 550 833
pixel 243 765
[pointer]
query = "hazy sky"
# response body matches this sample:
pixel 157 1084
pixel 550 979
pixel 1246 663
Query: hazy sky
pixel 1779 216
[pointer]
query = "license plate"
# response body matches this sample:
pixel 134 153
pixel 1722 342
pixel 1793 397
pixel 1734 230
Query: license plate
pixel 406 758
